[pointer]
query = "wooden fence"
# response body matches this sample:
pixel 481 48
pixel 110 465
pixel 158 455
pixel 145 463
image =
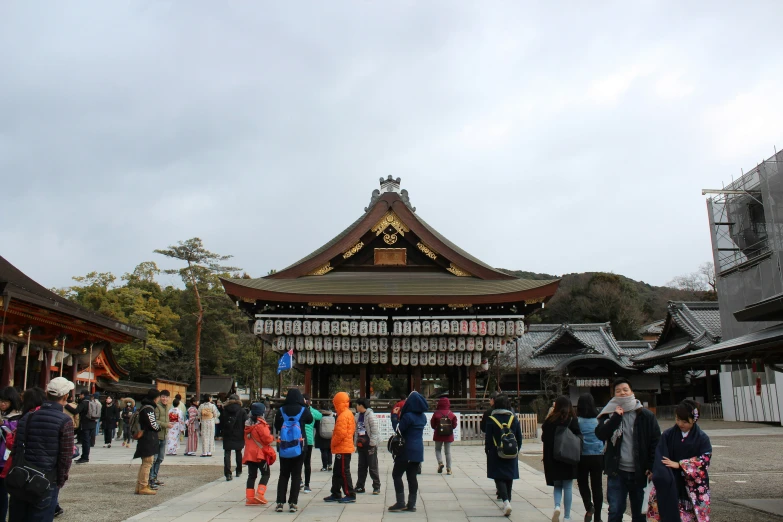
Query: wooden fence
pixel 709 411
pixel 470 426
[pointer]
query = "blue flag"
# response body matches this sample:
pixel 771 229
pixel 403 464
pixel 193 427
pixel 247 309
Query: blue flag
pixel 286 361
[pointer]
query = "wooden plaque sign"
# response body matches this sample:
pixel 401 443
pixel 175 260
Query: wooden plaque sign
pixel 391 256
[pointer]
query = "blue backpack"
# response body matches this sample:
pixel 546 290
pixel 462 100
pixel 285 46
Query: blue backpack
pixel 291 436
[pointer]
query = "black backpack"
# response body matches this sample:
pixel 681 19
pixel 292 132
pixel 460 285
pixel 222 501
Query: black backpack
pixel 507 444
pixel 445 428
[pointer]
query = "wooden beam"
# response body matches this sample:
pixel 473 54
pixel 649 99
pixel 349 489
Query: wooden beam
pixel 9 358
pixel 416 385
pixel 363 380
pixel 308 380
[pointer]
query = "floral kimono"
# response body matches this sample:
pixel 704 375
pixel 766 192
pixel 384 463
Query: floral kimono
pixel 192 424
pixel 684 492
pixel 176 422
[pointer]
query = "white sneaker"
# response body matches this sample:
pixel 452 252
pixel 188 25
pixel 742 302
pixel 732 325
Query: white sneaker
pixel 506 508
pixel 556 514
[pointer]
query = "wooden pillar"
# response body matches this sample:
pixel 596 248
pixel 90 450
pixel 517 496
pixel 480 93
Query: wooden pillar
pixel 472 386
pixel 368 386
pixel 308 380
pixel 672 398
pixel 363 380
pixel 74 373
pixel 708 398
pixel 417 378
pixel 46 369
pixel 9 358
pixel 280 385
pixel 323 382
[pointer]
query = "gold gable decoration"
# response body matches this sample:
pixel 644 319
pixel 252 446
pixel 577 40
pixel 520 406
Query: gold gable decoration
pixel 390 219
pixel 427 251
pixel 322 270
pixel 457 271
pixel 354 249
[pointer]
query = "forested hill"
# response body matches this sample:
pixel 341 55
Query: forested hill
pixel 598 297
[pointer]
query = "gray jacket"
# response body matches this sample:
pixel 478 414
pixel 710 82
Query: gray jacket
pixel 371 425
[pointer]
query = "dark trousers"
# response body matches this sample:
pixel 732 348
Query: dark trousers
pixel 308 453
pixel 504 488
pixel 368 460
pixel 43 511
pixel 410 470
pixel 252 472
pixel 227 461
pixel 622 486
pixel 3 500
pixel 590 469
pixel 290 469
pixel 326 457
pixel 342 483
pixel 108 435
pixel 88 435
pixel 126 434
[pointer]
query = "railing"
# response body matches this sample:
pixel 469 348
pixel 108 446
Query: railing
pixel 709 411
pixel 470 426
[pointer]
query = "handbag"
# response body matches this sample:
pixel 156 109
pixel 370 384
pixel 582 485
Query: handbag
pixel 270 455
pixel 396 443
pixel 567 447
pixel 363 441
pixel 28 482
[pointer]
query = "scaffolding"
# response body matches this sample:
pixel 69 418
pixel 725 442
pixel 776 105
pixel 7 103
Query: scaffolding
pixel 741 225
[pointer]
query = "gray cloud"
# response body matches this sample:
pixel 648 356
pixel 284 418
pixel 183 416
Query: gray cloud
pixel 543 138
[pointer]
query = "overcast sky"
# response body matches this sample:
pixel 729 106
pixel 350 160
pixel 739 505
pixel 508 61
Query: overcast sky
pixel 540 137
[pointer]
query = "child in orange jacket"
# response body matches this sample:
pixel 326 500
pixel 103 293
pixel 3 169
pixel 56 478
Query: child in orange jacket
pixel 342 449
pixel 258 455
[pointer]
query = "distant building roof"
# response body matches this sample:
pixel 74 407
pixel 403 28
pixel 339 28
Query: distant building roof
pixel 214 384
pixel 652 329
pixel 688 326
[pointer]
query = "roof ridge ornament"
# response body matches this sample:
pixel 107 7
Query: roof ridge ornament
pixel 390 184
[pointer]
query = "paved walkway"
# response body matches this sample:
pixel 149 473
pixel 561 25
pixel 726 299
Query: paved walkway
pixel 466 496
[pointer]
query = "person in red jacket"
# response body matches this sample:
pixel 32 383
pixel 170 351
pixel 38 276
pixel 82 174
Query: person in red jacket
pixel 258 454
pixel 443 424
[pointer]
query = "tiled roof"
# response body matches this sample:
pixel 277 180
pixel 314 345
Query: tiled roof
pixel 653 328
pixel 743 343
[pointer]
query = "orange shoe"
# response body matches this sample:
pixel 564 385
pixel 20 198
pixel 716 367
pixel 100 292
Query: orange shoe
pixel 260 494
pixel 250 498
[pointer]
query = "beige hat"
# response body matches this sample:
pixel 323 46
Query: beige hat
pixel 59 386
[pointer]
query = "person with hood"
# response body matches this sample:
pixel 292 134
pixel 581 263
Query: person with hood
pixel 208 416
pixel 125 416
pixel 291 467
pixel 110 414
pixel 367 440
pixel 681 483
pixel 147 446
pixel 559 474
pixel 342 449
pixel 233 434
pixel 310 440
pixel 193 427
pixel 443 424
pixel 631 433
pixel 502 470
pixel 411 427
pixel 258 454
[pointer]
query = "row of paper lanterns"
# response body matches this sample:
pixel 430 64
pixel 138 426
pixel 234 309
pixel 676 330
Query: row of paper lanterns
pixel 375 344
pixel 396 358
pixel 363 328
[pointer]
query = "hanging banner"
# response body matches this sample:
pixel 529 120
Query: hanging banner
pixel 384 421
pixel 286 361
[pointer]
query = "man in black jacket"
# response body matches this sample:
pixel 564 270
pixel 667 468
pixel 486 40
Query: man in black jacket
pixel 147 445
pixel 631 433
pixel 46 438
pixel 86 425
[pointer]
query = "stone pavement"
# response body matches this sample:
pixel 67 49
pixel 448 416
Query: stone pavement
pixel 465 496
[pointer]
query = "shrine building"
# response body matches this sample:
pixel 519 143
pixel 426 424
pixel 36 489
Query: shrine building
pixel 390 295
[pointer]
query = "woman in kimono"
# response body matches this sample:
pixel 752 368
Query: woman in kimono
pixel 176 423
pixel 209 416
pixel 193 427
pixel 681 483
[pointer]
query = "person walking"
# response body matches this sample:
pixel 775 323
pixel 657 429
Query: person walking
pixel 147 447
pixel 411 427
pixel 10 413
pixel 367 440
pixel 591 465
pixel 631 433
pixel 395 413
pixel 183 409
pixel 323 437
pixel 259 454
pixel 88 413
pixel 192 425
pixel 485 416
pixel 342 449
pixel 310 441
pixel 208 416
pixel 162 417
pixel 443 424
pixel 176 424
pixel 290 422
pixel 559 474
pixel 681 482
pixel 125 416
pixel 233 434
pixel 110 414
pixel 503 439
pixel 44 437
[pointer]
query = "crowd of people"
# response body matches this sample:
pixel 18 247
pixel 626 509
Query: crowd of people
pixel 622 440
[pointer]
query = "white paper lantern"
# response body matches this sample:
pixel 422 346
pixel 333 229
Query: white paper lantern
pixel 424 343
pixel 460 359
pixel 414 359
pixel 335 328
pixel 374 357
pixel 519 328
pixel 473 327
pixel 396 358
pixel 433 358
pixel 471 344
pixel 396 328
pixel 415 344
pixel 385 357
pixel 383 344
pixel 364 328
pixel 328 344
pixel 357 358
pixel 319 357
pixel 445 327
pixel 326 328
pixel 476 359
pixel 319 344
pixel 492 328
pixel 297 328
pixel 426 328
pixel 280 343
pixel 479 344
pixel 307 328
pixel 279 327
pixel 452 344
pixel 461 344
pixel 451 359
pixel 290 343
pixel 443 344
pixel 338 357
pixel 316 327
pixel 299 343
pixel 288 327
pixel 396 344
pixel 407 328
pixel 372 328
pixel 365 357
pixel 337 344
pixel 309 342
pixel 482 328
pixel 355 344
pixel 441 359
pixel 416 328
pixel 353 328
pixel 501 329
pixel 454 327
pixel 374 344
pixel 269 327
pixel 345 328
pixel 383 329
pixel 405 358
pixel 489 344
pixel 364 344
pixel 406 344
pixel 310 357
pixel 435 328
pixel 329 357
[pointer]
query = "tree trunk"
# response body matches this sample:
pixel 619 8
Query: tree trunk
pixel 199 322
